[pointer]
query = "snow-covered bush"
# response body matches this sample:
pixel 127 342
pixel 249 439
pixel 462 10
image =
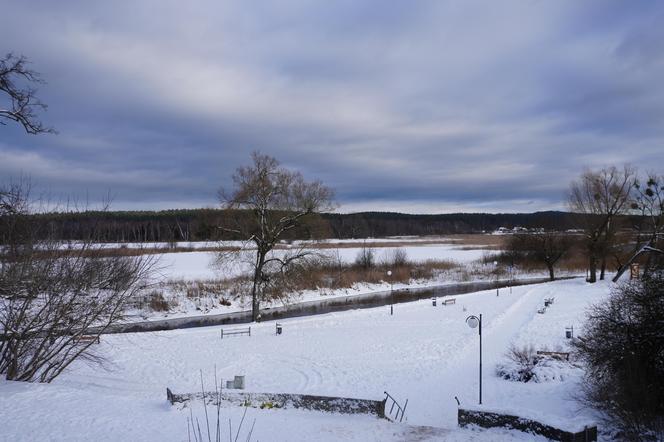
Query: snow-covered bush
pixel 523 364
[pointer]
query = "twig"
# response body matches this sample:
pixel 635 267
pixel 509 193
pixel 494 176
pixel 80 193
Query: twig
pixel 217 388
pixel 241 422
pixel 193 429
pixel 207 419
pixel 252 430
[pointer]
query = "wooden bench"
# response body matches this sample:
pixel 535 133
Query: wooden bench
pixel 542 310
pixel 449 301
pixel 548 301
pixel 555 354
pixel 88 338
pixel 235 332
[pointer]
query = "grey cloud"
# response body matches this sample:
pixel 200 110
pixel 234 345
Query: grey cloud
pixel 401 104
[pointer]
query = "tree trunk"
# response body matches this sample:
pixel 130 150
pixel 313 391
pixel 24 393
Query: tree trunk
pixel 552 277
pixel 255 302
pixel 650 260
pixel 256 288
pixel 592 267
pixel 12 369
pixel 602 269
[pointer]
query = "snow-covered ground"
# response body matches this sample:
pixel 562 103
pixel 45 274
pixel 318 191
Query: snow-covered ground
pixel 180 272
pixel 202 265
pixel 424 354
pixel 176 272
pixel 214 244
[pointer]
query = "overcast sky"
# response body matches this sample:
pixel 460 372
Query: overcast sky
pixel 413 106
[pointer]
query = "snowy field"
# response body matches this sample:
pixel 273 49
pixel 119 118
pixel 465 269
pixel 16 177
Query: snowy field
pixel 195 266
pixel 201 265
pixel 424 354
pixel 481 238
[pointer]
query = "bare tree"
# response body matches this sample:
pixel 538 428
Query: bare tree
pixel 648 207
pixel 275 201
pixel 599 198
pixel 543 247
pixel 398 258
pixel 23 103
pixel 56 299
pixel 366 257
pixel 648 203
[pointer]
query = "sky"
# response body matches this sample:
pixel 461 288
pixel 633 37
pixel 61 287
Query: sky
pixel 411 106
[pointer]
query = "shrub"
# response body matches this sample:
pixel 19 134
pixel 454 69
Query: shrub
pixel 623 348
pixel 399 258
pixel 521 365
pixel 157 302
pixel 525 365
pixel 224 301
pixel 366 258
pixel 53 293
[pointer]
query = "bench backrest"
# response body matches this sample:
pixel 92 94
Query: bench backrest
pixel 236 331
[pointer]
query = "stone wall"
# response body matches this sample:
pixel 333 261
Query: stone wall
pixel 487 419
pixel 287 400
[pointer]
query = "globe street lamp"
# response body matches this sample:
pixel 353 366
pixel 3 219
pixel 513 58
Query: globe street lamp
pixel 389 275
pixel 474 322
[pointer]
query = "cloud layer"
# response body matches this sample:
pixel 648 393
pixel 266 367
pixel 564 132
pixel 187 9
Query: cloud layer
pixel 426 106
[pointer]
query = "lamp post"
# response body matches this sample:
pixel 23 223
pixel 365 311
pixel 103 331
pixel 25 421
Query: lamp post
pixel 473 322
pixel 389 275
pixel 495 269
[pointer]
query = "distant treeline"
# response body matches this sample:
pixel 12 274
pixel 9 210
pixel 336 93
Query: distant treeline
pixel 381 224
pixel 203 224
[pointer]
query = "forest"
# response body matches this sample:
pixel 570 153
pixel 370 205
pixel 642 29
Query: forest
pixel 204 224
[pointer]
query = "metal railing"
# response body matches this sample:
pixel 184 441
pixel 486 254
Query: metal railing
pixel 401 411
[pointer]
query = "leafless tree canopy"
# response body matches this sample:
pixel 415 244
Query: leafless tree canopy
pixel 600 197
pixel 278 200
pixel 543 247
pixel 648 203
pixel 622 347
pixel 55 299
pixel 21 104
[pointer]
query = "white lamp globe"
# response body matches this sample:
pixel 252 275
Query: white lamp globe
pixel 472 322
